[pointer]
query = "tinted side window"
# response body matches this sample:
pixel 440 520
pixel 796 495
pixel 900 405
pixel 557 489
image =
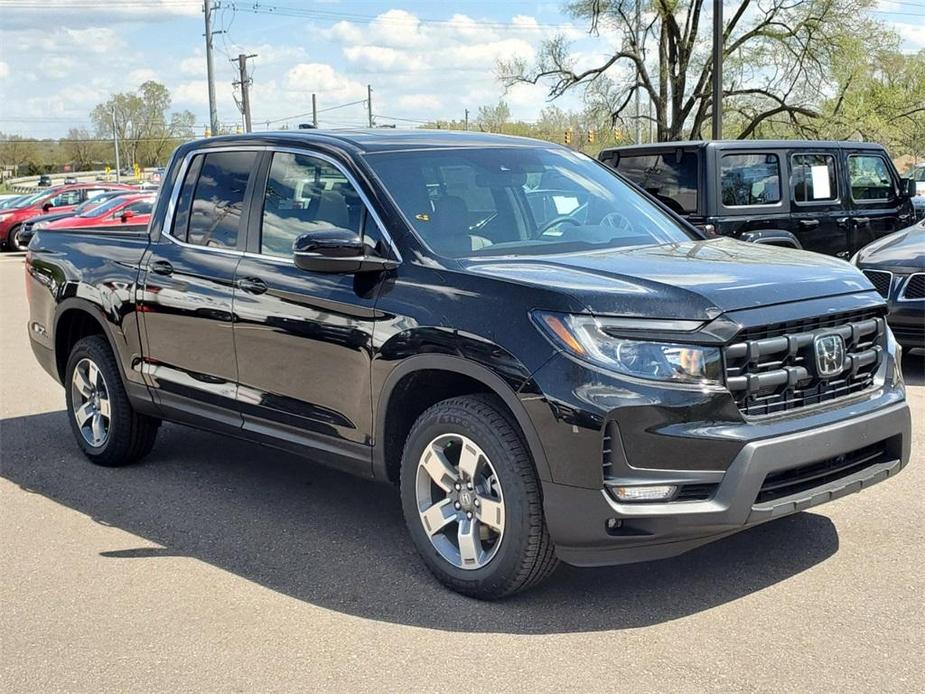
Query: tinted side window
pixel 813 177
pixel 305 194
pixel 750 179
pixel 671 179
pixel 181 216
pixel 69 197
pixel 870 178
pixel 218 202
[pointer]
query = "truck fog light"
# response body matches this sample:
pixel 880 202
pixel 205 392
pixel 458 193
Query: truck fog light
pixel 655 492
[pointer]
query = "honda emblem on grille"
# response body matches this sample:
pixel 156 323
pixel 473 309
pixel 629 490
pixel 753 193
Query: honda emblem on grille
pixel 830 355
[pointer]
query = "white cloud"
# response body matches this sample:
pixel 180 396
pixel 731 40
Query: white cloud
pixel 4 70
pixel 913 35
pixel 142 75
pixel 320 78
pixel 94 13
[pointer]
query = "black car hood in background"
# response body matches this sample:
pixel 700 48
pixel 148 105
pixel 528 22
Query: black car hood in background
pixel 694 280
pixel 903 251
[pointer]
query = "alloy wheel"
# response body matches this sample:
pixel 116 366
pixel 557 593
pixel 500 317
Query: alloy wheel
pixel 460 502
pixel 90 402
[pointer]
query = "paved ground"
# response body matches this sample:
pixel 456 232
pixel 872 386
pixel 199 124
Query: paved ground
pixel 220 566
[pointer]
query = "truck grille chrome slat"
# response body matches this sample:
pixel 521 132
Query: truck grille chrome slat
pixel 771 369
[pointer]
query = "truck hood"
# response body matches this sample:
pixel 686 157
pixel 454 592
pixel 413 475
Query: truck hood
pixel 693 280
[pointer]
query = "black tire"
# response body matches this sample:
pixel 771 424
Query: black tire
pixel 130 435
pixel 525 554
pixel 12 242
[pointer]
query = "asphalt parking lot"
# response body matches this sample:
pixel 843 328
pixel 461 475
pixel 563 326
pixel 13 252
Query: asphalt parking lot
pixel 218 565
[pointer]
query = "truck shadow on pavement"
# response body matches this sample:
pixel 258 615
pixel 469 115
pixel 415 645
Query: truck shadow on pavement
pixel 340 543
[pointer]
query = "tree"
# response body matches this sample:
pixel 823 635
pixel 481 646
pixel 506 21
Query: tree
pixel 493 118
pixel 80 149
pixel 145 129
pixel 779 56
pixel 17 152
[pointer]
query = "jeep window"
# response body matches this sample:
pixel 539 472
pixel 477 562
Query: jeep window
pixel 305 193
pixel 669 177
pixel 870 178
pixel 218 201
pixel 750 179
pixel 528 201
pixel 813 178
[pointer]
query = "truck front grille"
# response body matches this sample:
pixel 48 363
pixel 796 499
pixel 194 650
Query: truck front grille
pixel 772 369
pixel 915 287
pixel 777 485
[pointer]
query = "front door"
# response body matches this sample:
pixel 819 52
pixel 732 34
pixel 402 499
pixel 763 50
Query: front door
pixel 188 289
pixel 304 339
pixel 818 203
pixel 877 209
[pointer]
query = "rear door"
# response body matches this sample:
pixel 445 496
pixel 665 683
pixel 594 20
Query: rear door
pixel 189 287
pixel 304 339
pixel 818 201
pixel 876 206
pixel 751 197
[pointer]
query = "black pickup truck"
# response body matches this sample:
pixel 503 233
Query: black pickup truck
pixel 548 363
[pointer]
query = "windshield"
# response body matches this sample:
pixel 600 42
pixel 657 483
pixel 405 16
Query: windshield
pixel 11 202
pixel 518 201
pixel 29 200
pixel 100 210
pixel 918 174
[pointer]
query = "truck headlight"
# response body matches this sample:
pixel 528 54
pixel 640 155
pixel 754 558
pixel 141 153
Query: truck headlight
pixel 40 225
pixel 590 338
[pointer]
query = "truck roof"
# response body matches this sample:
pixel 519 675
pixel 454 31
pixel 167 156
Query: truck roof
pixel 745 144
pixel 374 139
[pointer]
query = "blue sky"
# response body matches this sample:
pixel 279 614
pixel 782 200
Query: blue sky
pixel 424 60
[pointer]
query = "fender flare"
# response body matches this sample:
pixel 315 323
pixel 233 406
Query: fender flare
pixel 497 385
pixel 772 237
pixel 95 312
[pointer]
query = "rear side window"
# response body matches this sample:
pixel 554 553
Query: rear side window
pixel 217 202
pixel 669 177
pixel 870 178
pixel 813 178
pixel 67 198
pixel 750 179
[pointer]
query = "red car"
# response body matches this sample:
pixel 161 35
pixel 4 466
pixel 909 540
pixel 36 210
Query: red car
pixel 126 209
pixel 60 198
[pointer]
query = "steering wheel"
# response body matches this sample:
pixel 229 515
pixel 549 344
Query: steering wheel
pixel 616 221
pixel 556 221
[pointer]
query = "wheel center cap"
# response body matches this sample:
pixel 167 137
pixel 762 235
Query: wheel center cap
pixel 465 499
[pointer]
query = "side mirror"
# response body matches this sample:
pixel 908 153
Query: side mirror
pixel 47 206
pixel 336 250
pixel 908 187
pixel 127 215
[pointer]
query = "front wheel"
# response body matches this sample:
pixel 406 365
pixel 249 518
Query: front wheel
pixel 14 240
pixel 472 500
pixel 108 429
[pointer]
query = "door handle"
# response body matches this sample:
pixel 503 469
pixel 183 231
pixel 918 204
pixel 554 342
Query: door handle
pixel 809 223
pixel 862 221
pixel 251 285
pixel 161 267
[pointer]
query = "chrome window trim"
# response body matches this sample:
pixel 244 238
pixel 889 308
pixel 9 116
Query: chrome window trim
pixel 351 180
pixel 901 296
pixel 167 229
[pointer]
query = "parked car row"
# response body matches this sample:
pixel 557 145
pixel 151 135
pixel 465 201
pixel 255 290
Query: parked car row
pixel 18 219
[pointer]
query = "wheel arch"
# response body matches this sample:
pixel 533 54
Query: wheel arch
pixel 75 319
pixel 462 377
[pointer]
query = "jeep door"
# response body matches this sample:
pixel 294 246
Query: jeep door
pixel 818 201
pixel 877 208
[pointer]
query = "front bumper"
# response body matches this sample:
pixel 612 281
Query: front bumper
pixel 578 517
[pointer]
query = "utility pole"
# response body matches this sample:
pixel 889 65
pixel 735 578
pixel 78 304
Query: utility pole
pixel 467 120
pixel 369 103
pixel 314 109
pixel 245 83
pixel 115 141
pixel 717 69
pixel 636 32
pixel 213 113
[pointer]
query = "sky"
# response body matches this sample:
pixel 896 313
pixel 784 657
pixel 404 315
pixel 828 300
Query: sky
pixel 425 60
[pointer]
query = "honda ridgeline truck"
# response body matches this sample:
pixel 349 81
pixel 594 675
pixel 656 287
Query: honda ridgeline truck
pixel 548 363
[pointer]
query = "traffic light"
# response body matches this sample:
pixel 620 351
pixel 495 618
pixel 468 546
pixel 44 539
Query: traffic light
pixel 590 136
pixel 568 136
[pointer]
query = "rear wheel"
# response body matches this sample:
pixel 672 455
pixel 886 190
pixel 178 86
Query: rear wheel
pixel 108 429
pixel 472 500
